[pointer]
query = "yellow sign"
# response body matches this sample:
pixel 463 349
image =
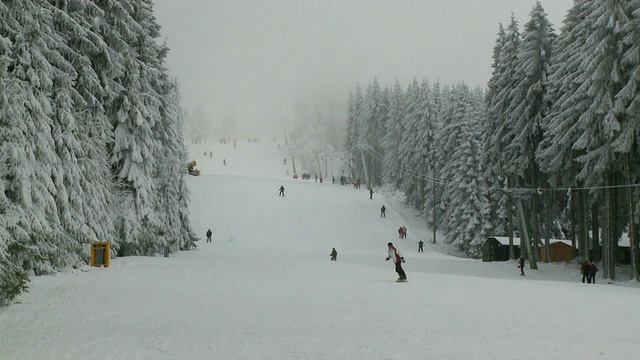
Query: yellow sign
pixel 100 253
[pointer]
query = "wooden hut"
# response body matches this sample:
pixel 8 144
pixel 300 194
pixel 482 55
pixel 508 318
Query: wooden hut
pixel 559 251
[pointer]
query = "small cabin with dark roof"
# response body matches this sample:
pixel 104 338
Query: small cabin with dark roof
pixel 496 248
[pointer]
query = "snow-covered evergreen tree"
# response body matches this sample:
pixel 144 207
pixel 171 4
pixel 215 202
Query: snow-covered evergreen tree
pixel 394 129
pixel 424 138
pixel 466 212
pixel 372 124
pixel 492 149
pixel 408 147
pixel 352 138
pixel 13 181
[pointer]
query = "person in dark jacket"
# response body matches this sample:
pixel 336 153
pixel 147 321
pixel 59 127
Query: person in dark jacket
pixel 584 269
pixel 420 246
pixel 370 193
pixel 281 190
pixel 209 233
pixel 334 255
pixel 593 269
pixel 383 211
pixel 521 265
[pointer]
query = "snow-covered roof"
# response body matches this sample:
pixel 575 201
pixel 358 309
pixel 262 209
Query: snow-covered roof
pixel 504 240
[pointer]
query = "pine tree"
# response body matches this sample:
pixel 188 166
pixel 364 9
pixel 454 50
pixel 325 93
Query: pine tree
pixel 352 144
pixel 407 150
pixel 393 136
pixel 12 177
pixel 465 192
pixel 372 121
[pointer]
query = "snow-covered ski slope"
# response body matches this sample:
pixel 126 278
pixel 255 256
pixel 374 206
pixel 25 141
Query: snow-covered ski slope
pixel 266 288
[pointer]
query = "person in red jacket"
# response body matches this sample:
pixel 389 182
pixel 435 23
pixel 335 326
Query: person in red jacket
pixel 584 269
pixel 397 258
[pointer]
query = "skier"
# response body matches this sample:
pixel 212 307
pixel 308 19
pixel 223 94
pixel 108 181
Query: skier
pixel 209 233
pixel 521 265
pixel 281 191
pixel 334 255
pixel 398 260
pixel 404 232
pixel 584 269
pixel 371 193
pixel 420 246
pixel 383 211
pixel 224 161
pixel 400 232
pixel 593 269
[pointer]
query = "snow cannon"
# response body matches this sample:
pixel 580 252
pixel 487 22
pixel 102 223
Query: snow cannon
pixel 191 168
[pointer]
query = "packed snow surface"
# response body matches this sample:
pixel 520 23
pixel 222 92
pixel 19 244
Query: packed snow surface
pixel 265 288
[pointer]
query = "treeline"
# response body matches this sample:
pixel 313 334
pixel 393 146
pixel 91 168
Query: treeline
pixel 556 130
pixel 91 144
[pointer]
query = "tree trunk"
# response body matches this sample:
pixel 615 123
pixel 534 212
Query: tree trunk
pixel 632 233
pixel 547 236
pixel 595 232
pixel 434 202
pixel 572 214
pixel 584 224
pixel 524 236
pixel 512 254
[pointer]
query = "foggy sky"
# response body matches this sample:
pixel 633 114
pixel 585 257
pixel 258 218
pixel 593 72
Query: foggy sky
pixel 258 56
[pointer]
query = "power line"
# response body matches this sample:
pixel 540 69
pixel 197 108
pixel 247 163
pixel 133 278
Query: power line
pixel 437 181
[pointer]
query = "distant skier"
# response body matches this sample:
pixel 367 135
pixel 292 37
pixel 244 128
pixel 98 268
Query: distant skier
pixel 398 260
pixel 400 232
pixel 404 232
pixel 334 255
pixel 383 211
pixel 281 190
pixel 420 246
pixel 209 233
pixel 521 265
pixel 371 193
pixel 224 161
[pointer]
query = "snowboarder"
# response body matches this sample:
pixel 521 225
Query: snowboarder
pixel 420 246
pixel 334 255
pixel 398 260
pixel 584 270
pixel 209 233
pixel 281 190
pixel 371 193
pixel 521 265
pixel 383 211
pixel 593 269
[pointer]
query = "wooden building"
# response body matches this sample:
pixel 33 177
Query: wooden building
pixel 559 251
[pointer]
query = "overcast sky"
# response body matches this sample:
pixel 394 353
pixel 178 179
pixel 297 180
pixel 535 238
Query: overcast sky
pixel 258 56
